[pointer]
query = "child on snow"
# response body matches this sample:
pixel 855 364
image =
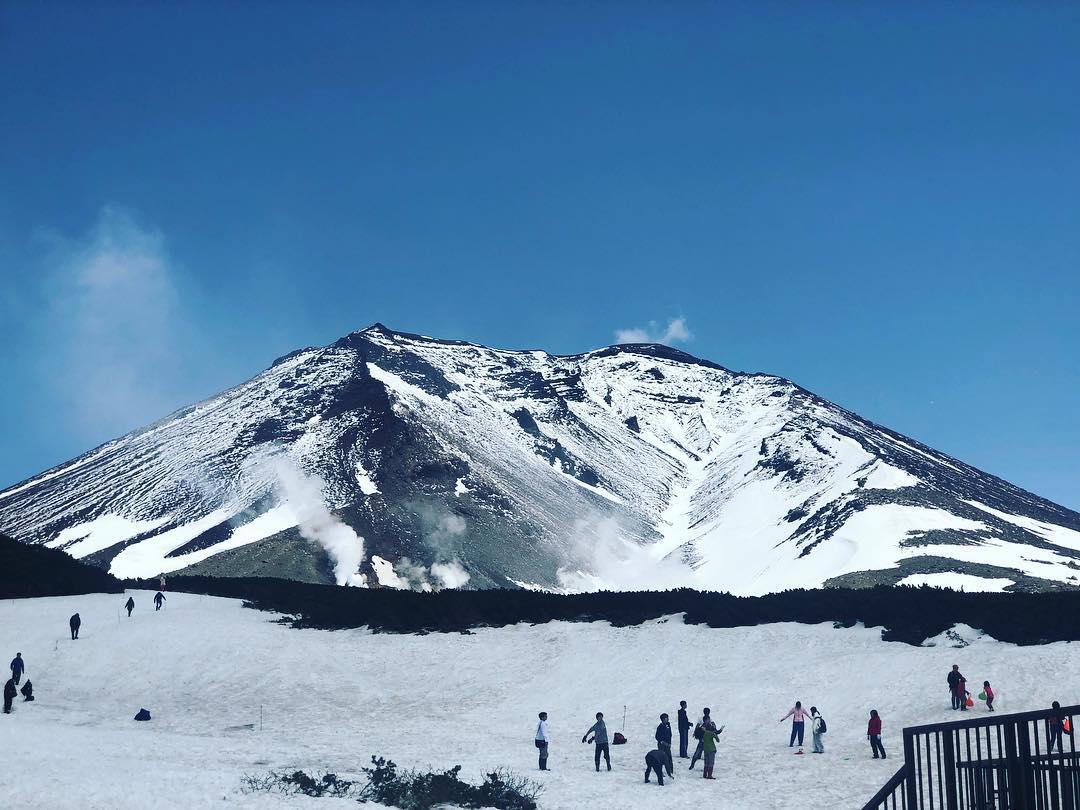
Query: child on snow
pixel 989 696
pixel 873 733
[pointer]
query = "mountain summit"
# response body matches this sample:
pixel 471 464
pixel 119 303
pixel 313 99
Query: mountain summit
pixel 400 460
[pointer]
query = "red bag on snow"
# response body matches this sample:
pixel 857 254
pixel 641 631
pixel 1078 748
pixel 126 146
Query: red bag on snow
pixel 618 738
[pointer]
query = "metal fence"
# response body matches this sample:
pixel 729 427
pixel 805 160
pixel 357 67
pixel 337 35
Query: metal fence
pixel 1025 761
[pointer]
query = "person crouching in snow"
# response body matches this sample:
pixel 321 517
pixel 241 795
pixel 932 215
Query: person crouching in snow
pixel 27 692
pixel 655 761
pixel 74 623
pixel 10 692
pixel 541 740
pixel 798 722
pixel 159 597
pixel 599 732
pixel 989 692
pixel 817 728
pixel 873 733
pixel 709 735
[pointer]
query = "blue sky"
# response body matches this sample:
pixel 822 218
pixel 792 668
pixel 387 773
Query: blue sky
pixel 878 201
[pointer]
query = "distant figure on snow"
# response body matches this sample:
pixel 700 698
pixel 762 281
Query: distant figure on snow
pixel 698 731
pixel 709 736
pixel 873 732
pixel 654 761
pixel 542 740
pixel 27 692
pixel 684 730
pixel 817 728
pixel 9 694
pixel 18 666
pixel 663 743
pixel 989 692
pixel 798 722
pixel 130 605
pixel 159 597
pixel 161 582
pixel 954 686
pixel 962 693
pixel 74 623
pixel 599 732
pixel 1055 725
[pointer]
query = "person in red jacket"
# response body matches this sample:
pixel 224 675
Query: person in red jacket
pixel 873 732
pixel 989 692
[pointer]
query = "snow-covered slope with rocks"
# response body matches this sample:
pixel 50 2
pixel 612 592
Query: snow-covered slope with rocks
pixel 405 461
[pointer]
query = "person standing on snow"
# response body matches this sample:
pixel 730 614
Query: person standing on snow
pixel 698 730
pixel 798 722
pixel 989 692
pixel 953 681
pixel 599 732
pixel 159 597
pixel 1055 725
pixel 541 740
pixel 817 725
pixel 663 743
pixel 961 692
pixel 74 623
pixel 684 730
pixel 654 761
pixel 9 694
pixel 873 732
pixel 18 666
pixel 709 736
pixel 130 605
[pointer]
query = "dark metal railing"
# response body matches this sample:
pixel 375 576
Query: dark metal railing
pixel 1024 761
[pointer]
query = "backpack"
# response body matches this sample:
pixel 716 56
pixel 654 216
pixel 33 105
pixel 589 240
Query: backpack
pixel 823 728
pixel 698 732
pixel 142 715
pixel 618 738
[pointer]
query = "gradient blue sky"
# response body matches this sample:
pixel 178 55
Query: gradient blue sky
pixel 880 201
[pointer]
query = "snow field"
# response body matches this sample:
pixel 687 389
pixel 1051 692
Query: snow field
pixel 330 700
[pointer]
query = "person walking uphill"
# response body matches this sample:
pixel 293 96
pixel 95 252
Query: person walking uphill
pixel 130 605
pixel 18 667
pixel 873 732
pixel 599 732
pixel 684 730
pixel 75 623
pixel 798 722
pixel 159 597
pixel 541 740
pixel 9 694
pixel 663 743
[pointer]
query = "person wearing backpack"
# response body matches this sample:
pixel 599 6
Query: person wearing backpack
pixel 817 728
pixel 600 738
pixel 698 732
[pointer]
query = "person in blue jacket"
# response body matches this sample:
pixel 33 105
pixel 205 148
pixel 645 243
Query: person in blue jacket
pixel 663 743
pixel 18 666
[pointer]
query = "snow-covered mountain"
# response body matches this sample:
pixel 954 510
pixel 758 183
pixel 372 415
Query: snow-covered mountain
pixel 395 459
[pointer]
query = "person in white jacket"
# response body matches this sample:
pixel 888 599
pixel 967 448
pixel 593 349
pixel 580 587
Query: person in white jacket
pixel 815 730
pixel 541 740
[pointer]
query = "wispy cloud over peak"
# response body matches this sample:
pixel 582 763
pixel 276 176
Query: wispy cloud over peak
pixel 675 332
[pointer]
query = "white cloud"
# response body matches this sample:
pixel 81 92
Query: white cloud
pixel 112 345
pixel 675 332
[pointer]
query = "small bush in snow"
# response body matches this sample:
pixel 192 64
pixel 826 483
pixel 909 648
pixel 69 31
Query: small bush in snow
pixel 290 784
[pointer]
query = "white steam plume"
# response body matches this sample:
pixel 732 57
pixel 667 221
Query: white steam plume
pixel 451 574
pixel 304 495
pixel 605 560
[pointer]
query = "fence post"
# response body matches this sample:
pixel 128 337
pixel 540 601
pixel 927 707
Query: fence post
pixel 949 743
pixel 1027 766
pixel 910 787
pixel 1012 768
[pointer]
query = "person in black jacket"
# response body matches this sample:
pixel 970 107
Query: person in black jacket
pixel 74 623
pixel 684 730
pixel 663 743
pixel 699 729
pixel 27 692
pixel 654 761
pixel 953 680
pixel 9 695
pixel 130 605
pixel 159 597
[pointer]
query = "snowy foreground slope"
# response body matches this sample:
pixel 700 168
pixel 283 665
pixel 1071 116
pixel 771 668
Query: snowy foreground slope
pixel 414 462
pixel 330 700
